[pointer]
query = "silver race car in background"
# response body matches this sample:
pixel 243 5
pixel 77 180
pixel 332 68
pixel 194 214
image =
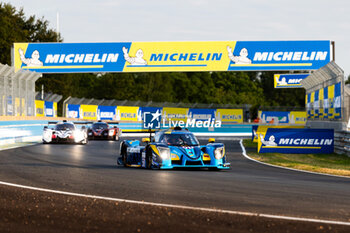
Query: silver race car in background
pixel 65 132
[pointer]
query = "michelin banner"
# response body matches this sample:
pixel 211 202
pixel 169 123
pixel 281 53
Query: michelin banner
pixel 39 108
pixel 73 111
pixel 293 117
pixel 171 56
pixel 175 114
pixel 126 113
pixel 106 113
pixel 229 115
pixel 50 110
pixel 337 101
pixel 296 141
pixel 261 129
pixel 200 114
pixel 88 112
pixel 289 80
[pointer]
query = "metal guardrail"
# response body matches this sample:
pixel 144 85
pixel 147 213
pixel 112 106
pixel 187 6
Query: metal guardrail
pixel 17 91
pixel 342 142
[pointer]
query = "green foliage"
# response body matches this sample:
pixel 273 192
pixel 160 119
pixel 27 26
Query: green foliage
pixel 15 27
pixel 348 80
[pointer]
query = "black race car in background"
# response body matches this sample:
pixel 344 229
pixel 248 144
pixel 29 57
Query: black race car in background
pixel 103 130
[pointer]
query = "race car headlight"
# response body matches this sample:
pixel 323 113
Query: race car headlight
pixel 111 132
pixel 75 135
pixel 164 153
pixel 219 152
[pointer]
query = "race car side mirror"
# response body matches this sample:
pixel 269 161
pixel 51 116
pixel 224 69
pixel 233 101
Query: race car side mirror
pixel 145 140
pixel 211 140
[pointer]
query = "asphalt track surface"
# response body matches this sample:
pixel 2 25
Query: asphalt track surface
pixel 92 170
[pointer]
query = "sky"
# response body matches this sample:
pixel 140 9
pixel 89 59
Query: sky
pixel 198 20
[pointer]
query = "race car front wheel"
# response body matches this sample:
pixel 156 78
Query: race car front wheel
pixel 148 158
pixel 123 154
pixel 84 142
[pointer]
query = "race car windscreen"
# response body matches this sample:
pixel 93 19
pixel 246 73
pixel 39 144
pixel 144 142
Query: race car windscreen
pixel 180 140
pixel 98 126
pixel 64 127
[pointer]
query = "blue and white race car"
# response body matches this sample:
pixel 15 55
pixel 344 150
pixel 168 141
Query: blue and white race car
pixel 175 148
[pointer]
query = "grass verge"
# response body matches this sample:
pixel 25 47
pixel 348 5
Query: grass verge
pixel 333 164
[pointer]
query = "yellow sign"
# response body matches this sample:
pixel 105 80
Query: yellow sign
pixel 178 56
pixel 297 117
pixel 125 113
pixel 321 99
pixel 312 102
pixel 175 114
pixel 55 109
pixel 262 129
pixel 229 115
pixel 39 108
pixel 331 102
pixel 88 112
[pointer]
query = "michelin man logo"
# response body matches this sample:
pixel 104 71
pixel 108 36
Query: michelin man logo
pixel 33 61
pixel 241 59
pixel 270 142
pixel 282 82
pixel 135 61
pixel 152 120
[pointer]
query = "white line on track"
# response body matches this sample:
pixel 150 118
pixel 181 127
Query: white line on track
pixel 287 168
pixel 271 216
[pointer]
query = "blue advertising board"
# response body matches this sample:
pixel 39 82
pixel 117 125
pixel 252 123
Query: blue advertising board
pixel 73 111
pixel 49 109
pixel 337 101
pixel 289 80
pixel 316 104
pixel 277 117
pixel 70 57
pixel 9 105
pixel 171 56
pixel 280 55
pixel 254 130
pixel 296 141
pixel 200 114
pixel 106 112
